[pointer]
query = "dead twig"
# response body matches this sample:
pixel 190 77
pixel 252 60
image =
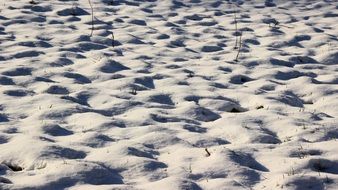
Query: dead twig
pixel 239 47
pixel 112 39
pixel 236 29
pixel 91 7
pixel 208 153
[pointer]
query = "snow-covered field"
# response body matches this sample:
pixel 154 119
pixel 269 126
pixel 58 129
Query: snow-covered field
pixel 156 99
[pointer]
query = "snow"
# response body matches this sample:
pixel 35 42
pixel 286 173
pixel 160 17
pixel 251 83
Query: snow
pixel 155 98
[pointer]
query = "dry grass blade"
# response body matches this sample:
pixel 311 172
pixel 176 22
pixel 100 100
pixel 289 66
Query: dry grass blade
pixel 239 47
pixel 92 9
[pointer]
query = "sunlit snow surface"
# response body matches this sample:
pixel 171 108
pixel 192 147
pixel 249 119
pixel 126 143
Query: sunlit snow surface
pixel 156 98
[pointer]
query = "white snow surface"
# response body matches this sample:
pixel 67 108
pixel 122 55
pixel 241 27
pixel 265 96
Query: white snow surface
pixel 156 99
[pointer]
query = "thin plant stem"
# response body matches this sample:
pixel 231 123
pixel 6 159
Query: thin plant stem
pixel 240 46
pixel 91 7
pixel 236 29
